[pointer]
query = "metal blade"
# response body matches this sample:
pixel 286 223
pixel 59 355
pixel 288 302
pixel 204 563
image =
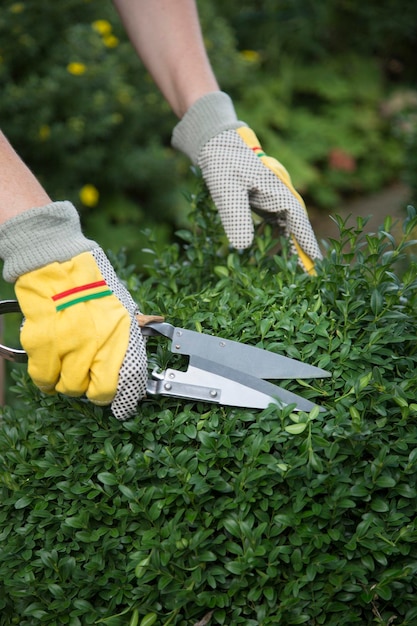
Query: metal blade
pixel 213 382
pixel 249 359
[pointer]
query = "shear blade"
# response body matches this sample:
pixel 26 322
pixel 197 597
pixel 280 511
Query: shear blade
pixel 233 387
pixel 249 359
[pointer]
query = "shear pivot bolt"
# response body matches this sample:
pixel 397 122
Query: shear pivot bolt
pixel 168 386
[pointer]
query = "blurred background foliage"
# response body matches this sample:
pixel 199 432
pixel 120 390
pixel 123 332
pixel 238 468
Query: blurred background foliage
pixel 330 89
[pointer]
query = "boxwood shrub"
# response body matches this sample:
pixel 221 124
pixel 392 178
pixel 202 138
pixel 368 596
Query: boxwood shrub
pixel 193 514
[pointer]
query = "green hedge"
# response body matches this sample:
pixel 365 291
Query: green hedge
pixel 193 513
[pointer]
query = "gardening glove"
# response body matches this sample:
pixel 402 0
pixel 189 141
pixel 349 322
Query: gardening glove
pixel 79 330
pixel 241 178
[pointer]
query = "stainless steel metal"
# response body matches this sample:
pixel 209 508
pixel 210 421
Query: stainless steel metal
pixel 168 383
pixel 255 361
pixel 213 382
pixel 234 387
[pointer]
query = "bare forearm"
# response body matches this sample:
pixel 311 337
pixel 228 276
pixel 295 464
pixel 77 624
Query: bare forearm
pixel 166 35
pixel 20 190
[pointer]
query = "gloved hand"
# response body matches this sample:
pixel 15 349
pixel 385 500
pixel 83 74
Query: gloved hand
pixel 241 178
pixel 80 330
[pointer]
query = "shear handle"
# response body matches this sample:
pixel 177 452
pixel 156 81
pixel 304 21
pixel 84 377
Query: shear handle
pixel 11 354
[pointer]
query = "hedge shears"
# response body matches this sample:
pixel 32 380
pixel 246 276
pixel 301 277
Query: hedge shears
pixel 219 371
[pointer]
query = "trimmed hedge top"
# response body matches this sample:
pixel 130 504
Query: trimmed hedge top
pixel 193 513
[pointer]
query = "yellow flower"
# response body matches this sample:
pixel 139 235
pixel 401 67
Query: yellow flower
pixel 76 68
pixel 110 41
pixel 251 56
pixel 44 132
pixel 116 118
pixel 103 27
pixel 89 195
pixel 124 96
pixel 17 7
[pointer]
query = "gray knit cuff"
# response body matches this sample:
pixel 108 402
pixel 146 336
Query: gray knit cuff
pixel 207 117
pixel 39 237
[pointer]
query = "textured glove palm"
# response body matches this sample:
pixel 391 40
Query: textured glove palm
pixel 80 331
pixel 242 178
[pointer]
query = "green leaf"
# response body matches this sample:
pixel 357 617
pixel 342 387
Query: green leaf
pixel 314 413
pixel 107 478
pixel 141 566
pixel 35 610
pixel 134 620
pixel 406 490
pixel 296 429
pixel 299 619
pixel 377 301
pixel 109 449
pixel 235 567
pixel 83 605
pixel 191 431
pixel 56 590
pixel 385 481
pixel 379 505
pixel 128 492
pixel 232 526
pixel 364 381
pixel 149 619
pixel 23 502
pixel 77 521
pixel 221 271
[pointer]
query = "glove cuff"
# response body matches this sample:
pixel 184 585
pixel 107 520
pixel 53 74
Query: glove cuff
pixel 39 237
pixel 207 117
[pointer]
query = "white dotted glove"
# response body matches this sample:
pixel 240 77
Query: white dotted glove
pixel 242 178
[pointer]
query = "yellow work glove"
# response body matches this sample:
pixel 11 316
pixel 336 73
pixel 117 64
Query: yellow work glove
pixel 80 331
pixel 242 178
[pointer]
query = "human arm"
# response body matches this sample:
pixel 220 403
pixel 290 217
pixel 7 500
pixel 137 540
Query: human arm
pixel 20 190
pixel 167 36
pixel 80 329
pixel 241 178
